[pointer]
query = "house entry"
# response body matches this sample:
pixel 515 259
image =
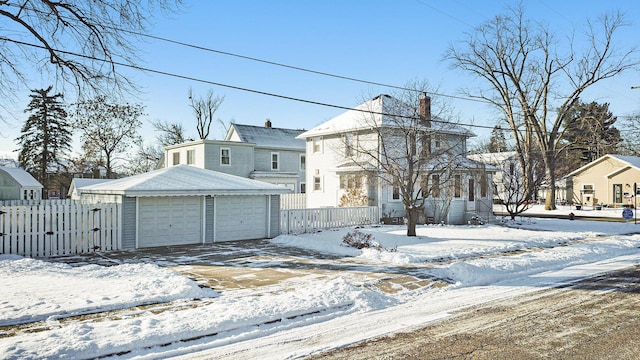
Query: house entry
pixel 471 203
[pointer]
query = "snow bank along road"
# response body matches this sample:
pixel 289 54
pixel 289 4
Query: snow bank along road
pixel 597 318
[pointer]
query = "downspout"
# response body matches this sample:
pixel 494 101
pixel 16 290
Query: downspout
pixel 203 218
pixel 137 220
pixel 269 216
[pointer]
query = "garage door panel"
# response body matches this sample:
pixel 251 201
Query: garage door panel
pixel 241 218
pixel 169 221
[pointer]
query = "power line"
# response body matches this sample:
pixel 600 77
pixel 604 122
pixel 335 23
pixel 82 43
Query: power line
pixel 190 78
pixel 293 67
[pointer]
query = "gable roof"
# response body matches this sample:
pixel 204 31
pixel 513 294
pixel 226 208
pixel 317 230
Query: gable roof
pixel 493 158
pixel 21 177
pixel 375 113
pixel 78 183
pixel 184 180
pixel 633 161
pixel 268 137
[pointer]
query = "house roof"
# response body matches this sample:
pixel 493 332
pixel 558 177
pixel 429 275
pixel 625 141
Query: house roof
pixel 21 177
pixel 269 137
pixel 77 183
pixel 183 180
pixel 633 161
pixel 493 158
pixel 375 113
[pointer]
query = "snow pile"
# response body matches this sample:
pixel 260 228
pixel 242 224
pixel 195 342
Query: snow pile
pixel 34 290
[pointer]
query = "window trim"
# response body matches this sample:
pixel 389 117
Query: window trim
pixel 228 157
pixel 317 142
pixel 175 156
pixel 302 164
pixel 191 157
pixel 276 162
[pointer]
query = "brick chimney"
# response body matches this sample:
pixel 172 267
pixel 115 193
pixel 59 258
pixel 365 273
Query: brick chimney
pixel 267 123
pixel 425 109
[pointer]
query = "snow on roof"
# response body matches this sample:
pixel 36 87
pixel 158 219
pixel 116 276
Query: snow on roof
pixel 22 177
pixel 631 160
pixel 270 137
pixel 370 114
pixel 494 158
pixel 184 180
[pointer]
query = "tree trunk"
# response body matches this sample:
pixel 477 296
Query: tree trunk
pixel 412 217
pixel 550 200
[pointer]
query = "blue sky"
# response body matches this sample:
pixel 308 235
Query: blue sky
pixel 391 42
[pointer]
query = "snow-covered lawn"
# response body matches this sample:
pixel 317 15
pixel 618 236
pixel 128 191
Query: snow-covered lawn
pixel 156 312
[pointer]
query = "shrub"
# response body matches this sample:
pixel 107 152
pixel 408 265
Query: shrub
pixel 360 240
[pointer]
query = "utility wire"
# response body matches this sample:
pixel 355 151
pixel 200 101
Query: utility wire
pixel 298 68
pixel 190 78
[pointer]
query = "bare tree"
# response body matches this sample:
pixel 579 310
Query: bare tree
pixel 107 129
pixel 398 143
pixel 204 110
pixel 531 76
pixel 80 42
pixel 169 133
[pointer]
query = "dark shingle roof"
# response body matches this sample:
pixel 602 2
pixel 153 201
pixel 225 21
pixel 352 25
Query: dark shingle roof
pixel 270 137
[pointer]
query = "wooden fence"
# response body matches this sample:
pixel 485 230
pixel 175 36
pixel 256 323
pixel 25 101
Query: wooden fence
pixel 298 221
pixel 53 228
pixel 293 201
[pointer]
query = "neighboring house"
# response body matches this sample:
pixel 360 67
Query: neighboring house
pixel 611 180
pixel 17 184
pixel 279 158
pixel 508 165
pixel 266 154
pixel 75 191
pixel 331 171
pixel 182 204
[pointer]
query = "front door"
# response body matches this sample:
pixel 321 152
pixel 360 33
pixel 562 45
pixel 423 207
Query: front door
pixel 471 203
pixel 617 193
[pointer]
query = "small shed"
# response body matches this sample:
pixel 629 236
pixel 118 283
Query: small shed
pixel 184 204
pixel 17 184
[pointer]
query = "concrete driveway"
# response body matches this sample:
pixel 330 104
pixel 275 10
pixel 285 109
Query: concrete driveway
pixel 254 264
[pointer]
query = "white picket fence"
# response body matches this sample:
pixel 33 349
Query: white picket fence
pixel 293 201
pixel 59 228
pixel 298 221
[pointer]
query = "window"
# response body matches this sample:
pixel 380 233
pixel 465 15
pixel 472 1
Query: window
pixel 303 162
pixel 349 144
pixel 472 190
pixel 275 161
pixel 317 144
pixel 191 157
pixel 176 158
pixel 587 188
pixel 512 169
pixel 395 193
pixel 426 145
pixel 351 181
pixel 438 141
pixel 424 186
pixel 457 186
pixel 483 186
pixel 435 189
pixel 317 181
pixel 303 188
pixel 225 156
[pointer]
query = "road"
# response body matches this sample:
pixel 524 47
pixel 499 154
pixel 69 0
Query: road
pixel 597 318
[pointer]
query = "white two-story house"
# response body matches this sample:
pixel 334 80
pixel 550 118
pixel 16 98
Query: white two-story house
pixel 455 188
pixel 267 154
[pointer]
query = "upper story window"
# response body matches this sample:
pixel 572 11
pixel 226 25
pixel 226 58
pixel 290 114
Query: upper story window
pixel 317 144
pixel 303 162
pixel 225 156
pixel 191 157
pixel 317 180
pixel 176 158
pixel 275 161
pixel 349 144
pixel 438 141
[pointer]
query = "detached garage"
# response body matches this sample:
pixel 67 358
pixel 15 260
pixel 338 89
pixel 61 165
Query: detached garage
pixel 183 204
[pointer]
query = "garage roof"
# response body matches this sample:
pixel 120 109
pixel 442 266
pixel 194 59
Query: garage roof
pixel 184 180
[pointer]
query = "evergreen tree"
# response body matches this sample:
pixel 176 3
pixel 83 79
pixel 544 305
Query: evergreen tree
pixel 45 136
pixel 497 142
pixel 589 133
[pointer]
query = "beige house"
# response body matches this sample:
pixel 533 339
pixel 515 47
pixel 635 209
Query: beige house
pixel 612 180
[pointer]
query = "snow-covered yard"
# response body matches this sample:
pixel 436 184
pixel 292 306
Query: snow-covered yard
pixel 154 311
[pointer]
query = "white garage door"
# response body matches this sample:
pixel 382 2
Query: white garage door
pixel 169 220
pixel 241 217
